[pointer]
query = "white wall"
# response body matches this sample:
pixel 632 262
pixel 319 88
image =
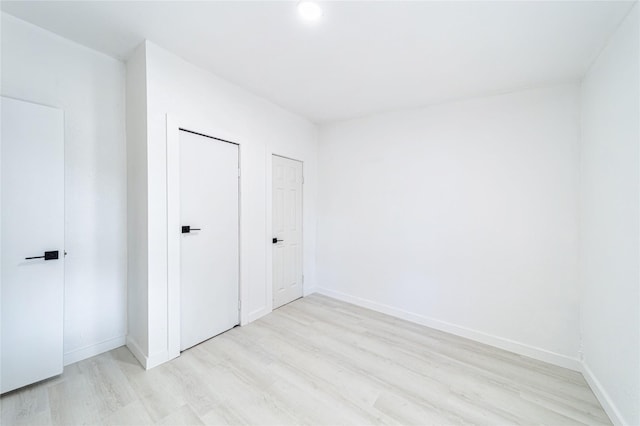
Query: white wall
pixel 191 95
pixel 461 216
pixel 610 215
pixel 41 67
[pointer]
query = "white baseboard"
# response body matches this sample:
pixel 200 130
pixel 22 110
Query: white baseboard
pixel 602 395
pixel 150 361
pixel 137 352
pixel 258 313
pixel 157 358
pixel 93 350
pixel 489 339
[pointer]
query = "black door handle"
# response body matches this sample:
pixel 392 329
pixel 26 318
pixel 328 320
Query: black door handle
pixel 48 255
pixel 187 229
pixel 275 240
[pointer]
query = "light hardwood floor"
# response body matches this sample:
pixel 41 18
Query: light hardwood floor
pixel 314 361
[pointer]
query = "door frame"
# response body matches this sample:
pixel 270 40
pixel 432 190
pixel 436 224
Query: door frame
pixel 269 236
pixel 174 126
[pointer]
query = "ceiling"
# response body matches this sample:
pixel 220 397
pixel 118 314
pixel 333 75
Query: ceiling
pixel 361 57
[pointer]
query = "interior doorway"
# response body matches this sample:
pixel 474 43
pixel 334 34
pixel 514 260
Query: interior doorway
pixel 287 230
pixel 209 245
pixel 32 284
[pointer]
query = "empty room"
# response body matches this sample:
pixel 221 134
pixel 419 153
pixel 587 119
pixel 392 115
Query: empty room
pixel 320 212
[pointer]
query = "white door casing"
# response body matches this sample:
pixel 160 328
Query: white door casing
pixel 32 223
pixel 287 230
pixel 209 256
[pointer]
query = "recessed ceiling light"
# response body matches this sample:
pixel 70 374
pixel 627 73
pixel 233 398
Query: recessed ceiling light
pixel 309 10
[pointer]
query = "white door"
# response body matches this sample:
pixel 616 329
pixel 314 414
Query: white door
pixel 287 230
pixel 209 248
pixel 32 243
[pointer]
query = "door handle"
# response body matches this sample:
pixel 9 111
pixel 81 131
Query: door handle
pixel 187 229
pixel 48 255
pixel 276 241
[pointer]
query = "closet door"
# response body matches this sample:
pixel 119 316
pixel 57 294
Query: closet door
pixel 32 243
pixel 209 255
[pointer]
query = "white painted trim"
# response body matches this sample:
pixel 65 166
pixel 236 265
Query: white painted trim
pixel 150 361
pixel 157 358
pixel 93 350
pixel 133 346
pixel 603 396
pixel 174 124
pixel 268 190
pixel 173 238
pixel 489 339
pixel 257 314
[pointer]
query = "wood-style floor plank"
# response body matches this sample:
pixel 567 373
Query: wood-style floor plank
pixel 316 361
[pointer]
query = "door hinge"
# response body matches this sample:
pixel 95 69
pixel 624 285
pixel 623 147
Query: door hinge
pixel 303 180
pixel 238 171
pixel 303 279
